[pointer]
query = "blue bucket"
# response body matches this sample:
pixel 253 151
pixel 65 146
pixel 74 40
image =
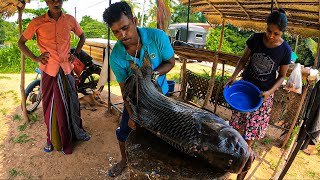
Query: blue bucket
pixel 171 84
pixel 243 96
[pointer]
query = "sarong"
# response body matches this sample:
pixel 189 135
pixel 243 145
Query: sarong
pixel 61 110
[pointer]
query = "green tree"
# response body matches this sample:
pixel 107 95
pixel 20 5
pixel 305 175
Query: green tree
pixel 180 15
pixel 94 29
pixel 8 32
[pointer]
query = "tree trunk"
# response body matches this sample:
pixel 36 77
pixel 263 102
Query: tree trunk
pixel 23 95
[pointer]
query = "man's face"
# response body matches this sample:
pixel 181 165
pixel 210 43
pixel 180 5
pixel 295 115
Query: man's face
pixel 55 6
pixel 125 30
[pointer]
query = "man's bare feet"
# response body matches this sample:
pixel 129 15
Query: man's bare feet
pixel 117 168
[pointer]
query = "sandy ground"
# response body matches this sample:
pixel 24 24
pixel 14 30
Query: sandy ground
pixel 22 157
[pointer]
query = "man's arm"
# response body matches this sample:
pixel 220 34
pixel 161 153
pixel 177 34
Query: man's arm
pixel 165 66
pixel 80 43
pixel 43 58
pixel 131 123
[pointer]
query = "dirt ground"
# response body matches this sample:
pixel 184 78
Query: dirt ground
pixel 22 157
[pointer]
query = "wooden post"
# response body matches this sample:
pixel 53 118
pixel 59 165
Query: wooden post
pixel 23 95
pixel 219 88
pixel 214 68
pixel 184 79
pixel 305 92
pixel 296 46
pixel 315 63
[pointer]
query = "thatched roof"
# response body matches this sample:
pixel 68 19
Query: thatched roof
pixel 303 15
pixel 9 7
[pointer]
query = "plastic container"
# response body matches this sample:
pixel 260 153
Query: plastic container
pixel 171 84
pixel 243 96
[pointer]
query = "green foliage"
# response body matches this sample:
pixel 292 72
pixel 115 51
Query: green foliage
pixel 266 141
pixel 312 174
pixel 22 127
pixel 14 173
pixel 22 138
pixel 234 40
pixel 8 32
pixel 10 58
pixel 180 15
pixel 17 117
pixel 94 29
pixel 34 117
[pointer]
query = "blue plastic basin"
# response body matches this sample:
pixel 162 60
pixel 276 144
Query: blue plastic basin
pixel 243 96
pixel 171 84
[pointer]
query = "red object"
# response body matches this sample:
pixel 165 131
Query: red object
pixel 78 67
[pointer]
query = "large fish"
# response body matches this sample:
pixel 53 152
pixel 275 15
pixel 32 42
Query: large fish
pixel 189 129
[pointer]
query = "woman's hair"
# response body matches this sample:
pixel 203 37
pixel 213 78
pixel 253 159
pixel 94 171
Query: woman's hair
pixel 114 12
pixel 278 18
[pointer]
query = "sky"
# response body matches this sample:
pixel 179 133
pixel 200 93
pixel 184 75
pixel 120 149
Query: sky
pixel 92 8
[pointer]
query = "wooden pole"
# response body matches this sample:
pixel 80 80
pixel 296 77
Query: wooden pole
pixel 219 88
pixel 316 60
pixel 23 95
pixel 214 68
pixel 296 46
pixel 305 92
pixel 184 79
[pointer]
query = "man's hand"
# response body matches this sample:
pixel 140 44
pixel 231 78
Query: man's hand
pixel 132 124
pixel 72 57
pixel 43 58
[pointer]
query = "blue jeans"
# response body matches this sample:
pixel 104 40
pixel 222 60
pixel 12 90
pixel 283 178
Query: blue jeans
pixel 123 130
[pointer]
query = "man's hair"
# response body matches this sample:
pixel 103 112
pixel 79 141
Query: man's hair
pixel 278 18
pixel 114 12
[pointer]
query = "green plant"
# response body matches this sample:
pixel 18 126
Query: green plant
pixel 273 165
pixel 22 138
pixel 294 132
pixel 5 77
pixel 16 117
pixel 4 111
pixel 34 117
pixel 267 141
pixel 14 173
pixel 22 127
pixel 312 174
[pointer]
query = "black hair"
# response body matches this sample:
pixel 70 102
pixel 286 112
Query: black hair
pixel 114 12
pixel 278 18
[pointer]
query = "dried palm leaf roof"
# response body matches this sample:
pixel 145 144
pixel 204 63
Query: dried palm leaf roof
pixel 303 15
pixel 9 7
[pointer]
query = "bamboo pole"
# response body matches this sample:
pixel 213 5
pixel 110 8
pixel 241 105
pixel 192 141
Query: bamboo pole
pixel 304 94
pixel 219 88
pixel 184 79
pixel 296 45
pixel 316 60
pixel 214 68
pixel 23 95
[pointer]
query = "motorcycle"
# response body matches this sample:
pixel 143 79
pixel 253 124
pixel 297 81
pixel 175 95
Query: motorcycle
pixel 86 73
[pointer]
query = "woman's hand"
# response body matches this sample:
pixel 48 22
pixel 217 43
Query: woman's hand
pixel 43 58
pixel 265 95
pixel 230 81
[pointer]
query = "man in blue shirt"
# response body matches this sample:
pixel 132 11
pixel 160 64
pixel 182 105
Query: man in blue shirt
pixel 131 46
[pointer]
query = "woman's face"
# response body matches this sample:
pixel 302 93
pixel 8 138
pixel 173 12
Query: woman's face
pixel 273 33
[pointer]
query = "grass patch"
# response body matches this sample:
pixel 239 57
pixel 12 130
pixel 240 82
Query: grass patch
pixel 273 165
pixel 17 117
pixel 22 138
pixel 22 127
pixel 14 173
pixel 266 141
pixel 34 117
pixel 4 111
pixel 293 134
pixel 312 174
pixel 5 77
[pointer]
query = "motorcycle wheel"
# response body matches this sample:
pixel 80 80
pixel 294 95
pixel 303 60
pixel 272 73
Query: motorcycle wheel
pixel 89 81
pixel 33 96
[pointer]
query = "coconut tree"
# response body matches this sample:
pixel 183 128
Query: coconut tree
pixel 7 9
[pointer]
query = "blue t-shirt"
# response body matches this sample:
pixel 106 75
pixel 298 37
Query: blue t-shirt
pixel 158 46
pixel 264 62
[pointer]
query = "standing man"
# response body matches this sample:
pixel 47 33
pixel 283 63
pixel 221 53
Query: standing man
pixel 60 100
pixel 132 43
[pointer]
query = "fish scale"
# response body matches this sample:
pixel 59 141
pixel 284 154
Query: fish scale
pixel 191 130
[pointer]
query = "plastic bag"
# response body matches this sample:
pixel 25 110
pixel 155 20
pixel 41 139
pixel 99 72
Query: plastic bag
pixel 294 82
